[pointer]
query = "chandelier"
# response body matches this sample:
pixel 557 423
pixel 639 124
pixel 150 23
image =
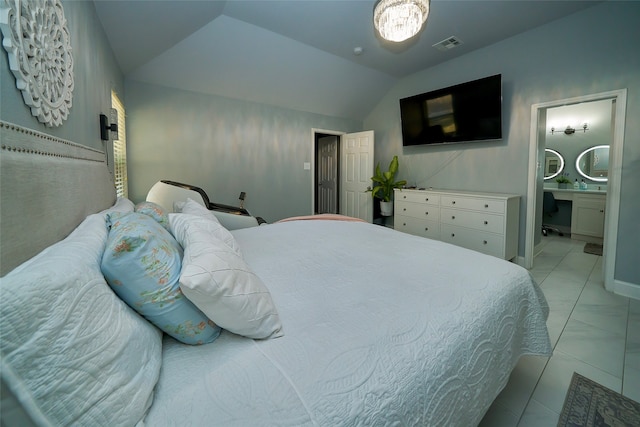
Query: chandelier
pixel 399 20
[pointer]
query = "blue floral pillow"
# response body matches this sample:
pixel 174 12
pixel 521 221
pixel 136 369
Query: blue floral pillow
pixel 155 211
pixel 142 263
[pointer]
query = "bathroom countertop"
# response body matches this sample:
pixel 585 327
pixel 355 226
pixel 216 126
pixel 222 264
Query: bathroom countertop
pixel 573 190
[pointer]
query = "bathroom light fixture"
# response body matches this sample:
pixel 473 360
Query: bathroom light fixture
pixel 569 130
pixel 105 127
pixel 399 20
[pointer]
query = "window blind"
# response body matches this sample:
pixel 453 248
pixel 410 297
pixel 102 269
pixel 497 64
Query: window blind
pixel 120 149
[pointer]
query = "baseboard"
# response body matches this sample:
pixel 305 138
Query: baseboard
pixel 626 289
pixel 537 249
pixel 587 239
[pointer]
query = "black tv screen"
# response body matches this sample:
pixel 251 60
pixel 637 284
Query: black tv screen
pixel 466 112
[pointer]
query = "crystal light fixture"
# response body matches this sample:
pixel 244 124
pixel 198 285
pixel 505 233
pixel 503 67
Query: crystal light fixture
pixel 399 20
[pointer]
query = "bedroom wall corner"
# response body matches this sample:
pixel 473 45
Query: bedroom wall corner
pixel 224 146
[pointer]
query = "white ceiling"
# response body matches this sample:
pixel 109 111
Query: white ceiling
pixel 299 54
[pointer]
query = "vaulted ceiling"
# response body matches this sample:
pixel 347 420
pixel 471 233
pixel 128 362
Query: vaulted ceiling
pixel 300 54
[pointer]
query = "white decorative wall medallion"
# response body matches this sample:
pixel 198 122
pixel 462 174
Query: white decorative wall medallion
pixel 38 44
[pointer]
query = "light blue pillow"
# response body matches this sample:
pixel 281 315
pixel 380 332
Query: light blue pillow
pixel 156 212
pixel 142 264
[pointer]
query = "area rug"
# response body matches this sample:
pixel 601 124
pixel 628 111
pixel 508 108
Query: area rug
pixel 593 248
pixel 588 404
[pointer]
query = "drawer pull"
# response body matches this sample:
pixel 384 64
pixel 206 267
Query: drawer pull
pixel 426 229
pixel 486 206
pixel 485 242
pixel 426 213
pixel 453 202
pixel 453 235
pixel 404 197
pixel 404 224
pixel 486 222
pixel 426 199
pixel 453 217
pixel 404 209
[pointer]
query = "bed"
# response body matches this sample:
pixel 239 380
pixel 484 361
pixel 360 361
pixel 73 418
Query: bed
pixel 366 325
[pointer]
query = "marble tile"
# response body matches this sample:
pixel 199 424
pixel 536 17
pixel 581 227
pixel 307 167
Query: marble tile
pixel 554 382
pixel 631 379
pixel 611 318
pixel 543 266
pixel 538 415
pixel 595 332
pixel 596 294
pixel 597 272
pixel 556 245
pixel 560 296
pixel 522 382
pixel 633 328
pixel 546 262
pixel 499 416
pixel 598 347
pixel 631 383
pixel 556 323
pixel 577 263
pixel 563 280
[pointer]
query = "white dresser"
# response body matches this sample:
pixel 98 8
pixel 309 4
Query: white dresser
pixel 485 222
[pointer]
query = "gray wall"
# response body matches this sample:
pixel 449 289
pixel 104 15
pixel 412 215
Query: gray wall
pixel 224 146
pixel 589 52
pixel 96 73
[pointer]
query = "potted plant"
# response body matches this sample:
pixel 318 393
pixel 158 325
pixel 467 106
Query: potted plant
pixel 563 181
pixel 384 183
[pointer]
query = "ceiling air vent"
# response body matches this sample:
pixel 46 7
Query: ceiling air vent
pixel 448 43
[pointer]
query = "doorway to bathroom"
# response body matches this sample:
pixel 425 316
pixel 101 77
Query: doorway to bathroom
pixel 538 136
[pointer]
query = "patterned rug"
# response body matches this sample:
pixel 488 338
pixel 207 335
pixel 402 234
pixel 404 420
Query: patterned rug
pixel 588 404
pixel 593 248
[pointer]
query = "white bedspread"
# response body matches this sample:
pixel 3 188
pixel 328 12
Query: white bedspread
pixel 381 328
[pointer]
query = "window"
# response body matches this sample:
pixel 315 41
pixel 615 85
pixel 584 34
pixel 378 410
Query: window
pixel 120 149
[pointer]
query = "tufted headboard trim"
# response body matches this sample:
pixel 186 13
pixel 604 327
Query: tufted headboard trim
pixel 48 185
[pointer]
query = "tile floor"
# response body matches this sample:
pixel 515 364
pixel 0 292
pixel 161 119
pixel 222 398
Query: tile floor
pixel 594 333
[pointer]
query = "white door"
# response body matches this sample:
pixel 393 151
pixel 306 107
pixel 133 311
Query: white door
pixel 356 170
pixel 327 186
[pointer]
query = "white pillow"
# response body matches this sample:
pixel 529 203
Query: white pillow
pixel 212 227
pixel 71 350
pixel 195 208
pixel 219 282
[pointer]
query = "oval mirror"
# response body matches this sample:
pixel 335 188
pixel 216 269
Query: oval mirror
pixel 593 163
pixel 553 163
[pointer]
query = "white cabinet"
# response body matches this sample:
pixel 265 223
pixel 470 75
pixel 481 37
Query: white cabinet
pixel 485 222
pixel 417 213
pixel 587 215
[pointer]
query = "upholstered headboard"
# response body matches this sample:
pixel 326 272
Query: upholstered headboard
pixel 48 186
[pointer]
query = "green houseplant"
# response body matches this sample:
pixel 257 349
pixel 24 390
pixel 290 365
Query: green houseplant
pixel 563 181
pixel 384 183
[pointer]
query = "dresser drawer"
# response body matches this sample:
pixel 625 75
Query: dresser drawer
pixel 477 220
pixel 419 227
pixel 484 222
pixel 417 197
pixel 484 205
pixel 488 243
pixel 418 210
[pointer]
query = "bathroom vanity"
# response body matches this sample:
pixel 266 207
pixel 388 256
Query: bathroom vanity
pixel 587 212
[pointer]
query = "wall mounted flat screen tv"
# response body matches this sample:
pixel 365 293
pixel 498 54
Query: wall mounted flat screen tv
pixel 466 112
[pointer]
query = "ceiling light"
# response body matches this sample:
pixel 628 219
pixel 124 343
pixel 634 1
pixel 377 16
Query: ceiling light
pixel 399 20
